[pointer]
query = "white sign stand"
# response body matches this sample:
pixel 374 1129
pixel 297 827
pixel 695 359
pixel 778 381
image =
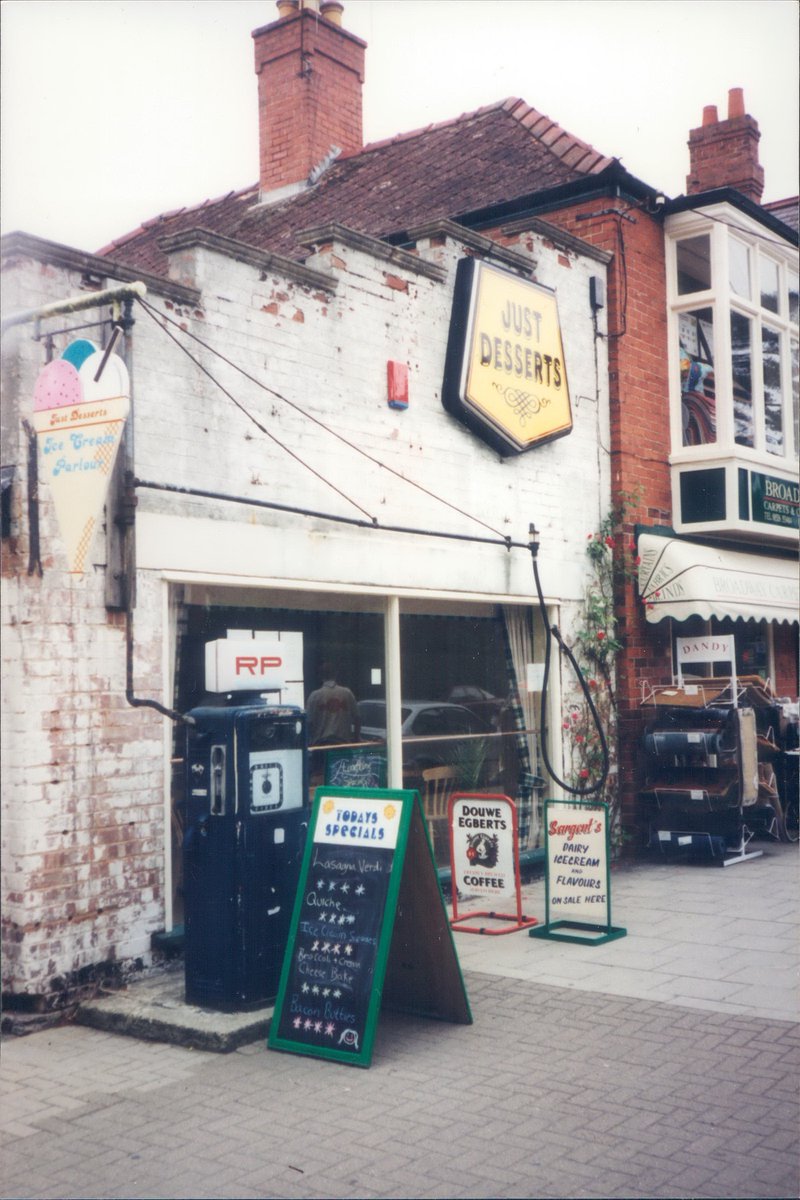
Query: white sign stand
pixel 578 880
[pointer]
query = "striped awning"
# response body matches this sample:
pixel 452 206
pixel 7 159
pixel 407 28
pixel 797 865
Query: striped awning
pixel 682 579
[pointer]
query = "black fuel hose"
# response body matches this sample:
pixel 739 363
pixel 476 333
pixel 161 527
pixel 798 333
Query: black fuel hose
pixel 550 633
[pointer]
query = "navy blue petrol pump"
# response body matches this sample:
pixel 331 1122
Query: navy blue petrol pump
pixel 246 814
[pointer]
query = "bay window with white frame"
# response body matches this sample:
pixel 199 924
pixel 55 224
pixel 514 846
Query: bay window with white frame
pixel 733 313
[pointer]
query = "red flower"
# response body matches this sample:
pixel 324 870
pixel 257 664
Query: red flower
pixel 565 724
pixel 600 634
pixel 609 540
pixel 579 737
pixel 575 716
pixel 592 683
pixel 637 561
pixel 583 773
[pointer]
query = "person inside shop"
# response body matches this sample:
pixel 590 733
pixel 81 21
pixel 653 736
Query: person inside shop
pixel 332 712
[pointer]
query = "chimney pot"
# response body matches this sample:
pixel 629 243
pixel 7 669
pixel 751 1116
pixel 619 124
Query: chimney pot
pixel 332 10
pixel 724 154
pixel 286 8
pixel 735 102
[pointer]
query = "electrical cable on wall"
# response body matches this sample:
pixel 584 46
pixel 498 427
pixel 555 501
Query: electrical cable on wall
pixel 258 424
pixel 159 317
pixel 550 633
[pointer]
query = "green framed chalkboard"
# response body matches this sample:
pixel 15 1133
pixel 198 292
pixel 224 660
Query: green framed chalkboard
pixel 369 927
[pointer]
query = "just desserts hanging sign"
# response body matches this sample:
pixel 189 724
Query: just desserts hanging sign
pixel 505 375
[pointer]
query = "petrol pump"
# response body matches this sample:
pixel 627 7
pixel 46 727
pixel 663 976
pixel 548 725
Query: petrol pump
pixel 246 817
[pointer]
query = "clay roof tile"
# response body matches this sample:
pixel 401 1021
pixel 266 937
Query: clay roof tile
pixel 463 164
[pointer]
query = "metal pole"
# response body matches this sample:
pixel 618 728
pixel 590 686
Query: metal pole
pixel 393 685
pixel 76 304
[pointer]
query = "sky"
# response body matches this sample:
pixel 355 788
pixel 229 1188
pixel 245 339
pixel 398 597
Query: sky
pixel 116 110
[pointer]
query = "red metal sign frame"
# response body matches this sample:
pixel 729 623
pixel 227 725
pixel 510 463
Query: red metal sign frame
pixel 514 921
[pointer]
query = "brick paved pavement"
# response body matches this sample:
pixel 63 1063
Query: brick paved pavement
pixel 651 1067
pixel 551 1092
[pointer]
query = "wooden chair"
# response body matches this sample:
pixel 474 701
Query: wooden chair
pixel 438 784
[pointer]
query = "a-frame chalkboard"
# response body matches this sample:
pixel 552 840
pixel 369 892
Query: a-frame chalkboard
pixel 369 927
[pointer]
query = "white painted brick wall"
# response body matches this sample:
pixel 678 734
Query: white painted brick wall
pixel 83 806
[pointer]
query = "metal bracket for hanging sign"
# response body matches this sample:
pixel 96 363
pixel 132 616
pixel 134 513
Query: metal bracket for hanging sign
pixel 577 874
pixel 75 304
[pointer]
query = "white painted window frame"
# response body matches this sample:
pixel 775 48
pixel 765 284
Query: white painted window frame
pixel 720 223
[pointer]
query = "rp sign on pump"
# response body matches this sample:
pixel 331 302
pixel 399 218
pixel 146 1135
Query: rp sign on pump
pixel 272 662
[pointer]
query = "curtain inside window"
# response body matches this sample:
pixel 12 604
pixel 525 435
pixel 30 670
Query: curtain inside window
pixel 518 641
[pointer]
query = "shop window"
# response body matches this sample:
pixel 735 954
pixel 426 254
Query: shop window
pixel 467 713
pixel 349 642
pixel 456 686
pixel 464 707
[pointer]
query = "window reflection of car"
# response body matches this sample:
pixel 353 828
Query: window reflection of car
pixel 453 731
pixel 484 704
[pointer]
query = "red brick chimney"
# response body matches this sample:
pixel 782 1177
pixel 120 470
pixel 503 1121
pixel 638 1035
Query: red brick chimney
pixel 725 153
pixel 310 72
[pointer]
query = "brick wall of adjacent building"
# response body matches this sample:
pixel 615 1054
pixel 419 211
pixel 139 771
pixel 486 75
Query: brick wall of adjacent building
pixel 636 323
pixel 640 434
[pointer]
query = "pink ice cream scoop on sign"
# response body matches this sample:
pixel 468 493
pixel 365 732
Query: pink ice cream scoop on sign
pixel 58 386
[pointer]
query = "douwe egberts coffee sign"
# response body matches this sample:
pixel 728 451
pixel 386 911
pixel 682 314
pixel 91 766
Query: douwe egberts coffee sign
pixel 505 375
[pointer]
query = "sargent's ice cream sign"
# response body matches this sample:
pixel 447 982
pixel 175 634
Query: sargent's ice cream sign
pixel 505 375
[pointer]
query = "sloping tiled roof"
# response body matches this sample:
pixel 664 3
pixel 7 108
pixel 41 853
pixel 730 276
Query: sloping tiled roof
pixel 787 211
pixel 490 156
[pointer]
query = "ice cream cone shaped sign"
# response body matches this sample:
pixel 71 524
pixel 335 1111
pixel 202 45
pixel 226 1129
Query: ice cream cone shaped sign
pixel 80 407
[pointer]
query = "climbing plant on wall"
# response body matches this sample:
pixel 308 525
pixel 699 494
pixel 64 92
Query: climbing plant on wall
pixel 612 559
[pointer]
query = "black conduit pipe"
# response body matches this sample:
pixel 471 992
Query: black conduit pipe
pixel 550 633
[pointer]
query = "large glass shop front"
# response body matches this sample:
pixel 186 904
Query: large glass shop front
pixel 469 722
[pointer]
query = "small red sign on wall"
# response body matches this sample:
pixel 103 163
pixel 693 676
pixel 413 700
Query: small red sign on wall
pixel 397 384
